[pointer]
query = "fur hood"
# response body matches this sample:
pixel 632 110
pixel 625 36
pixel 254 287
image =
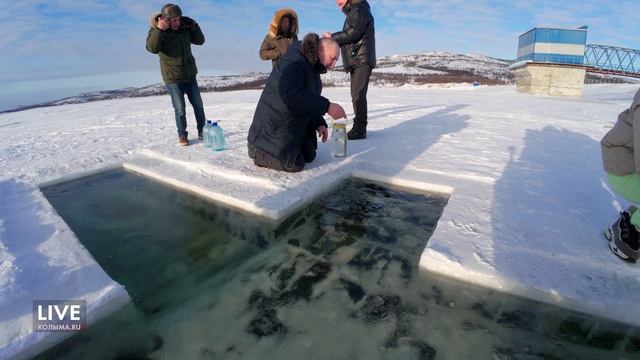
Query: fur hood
pixel 275 23
pixel 153 19
pixel 309 49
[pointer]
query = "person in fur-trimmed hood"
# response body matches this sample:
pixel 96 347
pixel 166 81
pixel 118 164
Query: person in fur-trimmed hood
pixel 283 31
pixel 290 111
pixel 171 36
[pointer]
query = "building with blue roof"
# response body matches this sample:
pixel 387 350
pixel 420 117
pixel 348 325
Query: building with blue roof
pixel 550 61
pixel 547 45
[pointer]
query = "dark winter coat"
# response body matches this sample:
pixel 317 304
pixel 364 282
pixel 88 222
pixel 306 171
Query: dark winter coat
pixel 276 44
pixel 357 38
pixel 177 64
pixel 289 104
pixel 621 145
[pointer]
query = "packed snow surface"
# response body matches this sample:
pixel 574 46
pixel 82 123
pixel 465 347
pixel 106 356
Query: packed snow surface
pixel 528 197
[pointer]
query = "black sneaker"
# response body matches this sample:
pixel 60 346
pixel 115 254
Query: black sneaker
pixel 357 134
pixel 624 239
pixel 200 137
pixel 628 231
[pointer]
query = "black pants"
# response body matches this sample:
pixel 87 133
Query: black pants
pixel 359 86
pixel 305 154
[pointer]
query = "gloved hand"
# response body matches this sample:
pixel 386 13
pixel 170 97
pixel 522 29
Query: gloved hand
pixel 189 24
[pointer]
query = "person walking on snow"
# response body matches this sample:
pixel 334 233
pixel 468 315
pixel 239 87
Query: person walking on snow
pixel 283 31
pixel 171 36
pixel 358 43
pixel 621 158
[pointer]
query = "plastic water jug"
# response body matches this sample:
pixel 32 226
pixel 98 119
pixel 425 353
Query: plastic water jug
pixel 217 137
pixel 206 133
pixel 339 139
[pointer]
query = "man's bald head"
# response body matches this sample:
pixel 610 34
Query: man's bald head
pixel 328 52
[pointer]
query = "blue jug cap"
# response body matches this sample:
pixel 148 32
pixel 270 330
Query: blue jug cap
pixel 215 123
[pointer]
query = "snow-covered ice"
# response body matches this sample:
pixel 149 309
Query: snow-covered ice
pixel 528 200
pixel 41 259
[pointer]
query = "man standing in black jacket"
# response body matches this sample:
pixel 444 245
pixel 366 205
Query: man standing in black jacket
pixel 358 43
pixel 290 111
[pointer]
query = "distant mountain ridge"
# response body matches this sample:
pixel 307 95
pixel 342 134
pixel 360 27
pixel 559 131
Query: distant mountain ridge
pixel 433 68
pixel 397 70
pixel 206 83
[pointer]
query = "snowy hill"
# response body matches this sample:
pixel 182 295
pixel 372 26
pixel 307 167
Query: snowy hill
pixel 397 70
pixel 433 68
pixel 442 69
pixel 207 84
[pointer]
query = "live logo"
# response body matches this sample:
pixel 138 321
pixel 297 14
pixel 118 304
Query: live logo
pixel 59 315
pixel 74 312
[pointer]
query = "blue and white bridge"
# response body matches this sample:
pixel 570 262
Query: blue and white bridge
pixel 612 60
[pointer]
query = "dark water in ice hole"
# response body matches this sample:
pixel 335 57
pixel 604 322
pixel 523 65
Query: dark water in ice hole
pixel 338 280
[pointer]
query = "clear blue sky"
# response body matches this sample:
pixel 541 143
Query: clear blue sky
pixel 55 46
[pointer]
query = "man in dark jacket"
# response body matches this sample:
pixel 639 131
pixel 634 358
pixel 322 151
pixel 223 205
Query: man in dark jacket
pixel 290 111
pixel 171 36
pixel 358 43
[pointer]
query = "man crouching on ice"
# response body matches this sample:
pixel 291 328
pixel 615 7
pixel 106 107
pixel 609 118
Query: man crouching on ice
pixel 290 110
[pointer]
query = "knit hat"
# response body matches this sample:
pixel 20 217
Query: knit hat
pixel 171 11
